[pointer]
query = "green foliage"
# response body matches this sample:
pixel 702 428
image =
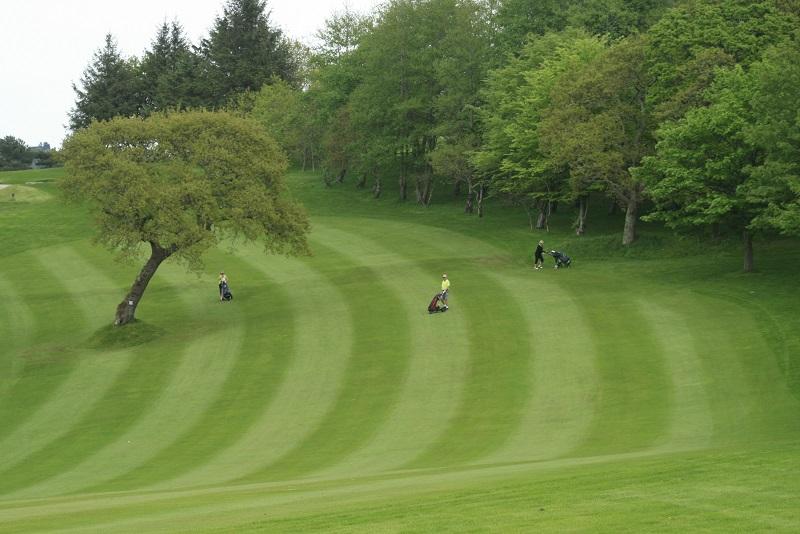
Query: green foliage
pixel 171 72
pixel 691 40
pixel 774 130
pixel 734 163
pixel 181 181
pixel 518 96
pixel 244 51
pixel 110 87
pixel 284 113
pixel 13 153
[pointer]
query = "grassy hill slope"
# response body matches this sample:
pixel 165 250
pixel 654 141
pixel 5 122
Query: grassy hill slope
pixel 655 388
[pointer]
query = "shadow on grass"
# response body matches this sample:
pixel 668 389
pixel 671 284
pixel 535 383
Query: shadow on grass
pixel 133 334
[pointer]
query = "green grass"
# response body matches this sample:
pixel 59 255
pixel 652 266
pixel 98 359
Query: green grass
pixel 654 388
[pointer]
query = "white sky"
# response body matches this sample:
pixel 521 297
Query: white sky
pixel 45 45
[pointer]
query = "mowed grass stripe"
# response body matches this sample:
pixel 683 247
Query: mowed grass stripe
pixel 497 380
pixel 314 376
pixel 746 390
pixel 50 359
pixel 16 326
pixel 634 389
pixel 496 335
pixel 78 389
pixel 374 376
pixel 259 367
pixel 691 424
pixel 203 367
pixel 439 351
pixel 563 370
pixel 131 393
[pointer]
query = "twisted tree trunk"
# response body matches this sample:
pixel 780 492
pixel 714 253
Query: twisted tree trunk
pixel 126 310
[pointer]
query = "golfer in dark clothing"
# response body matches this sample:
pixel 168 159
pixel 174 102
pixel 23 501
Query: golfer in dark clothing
pixel 538 258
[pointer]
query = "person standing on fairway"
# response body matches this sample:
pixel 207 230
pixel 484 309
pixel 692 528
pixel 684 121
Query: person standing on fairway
pixel 538 258
pixel 445 290
pixel 223 281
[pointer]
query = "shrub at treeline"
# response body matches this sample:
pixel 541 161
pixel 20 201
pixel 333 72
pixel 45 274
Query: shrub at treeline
pixel 678 111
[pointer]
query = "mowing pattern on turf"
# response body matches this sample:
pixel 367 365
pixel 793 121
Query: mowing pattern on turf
pixel 328 368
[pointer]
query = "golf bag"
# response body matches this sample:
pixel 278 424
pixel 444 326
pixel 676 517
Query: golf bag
pixel 562 260
pixel 434 307
pixel 226 292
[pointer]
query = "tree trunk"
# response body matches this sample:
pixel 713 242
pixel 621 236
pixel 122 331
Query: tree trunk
pixel 376 190
pixel 480 200
pixel 469 204
pixel 583 211
pixel 529 213
pixel 126 310
pixel 543 219
pixel 747 238
pixel 403 187
pixel 631 216
pixel 362 182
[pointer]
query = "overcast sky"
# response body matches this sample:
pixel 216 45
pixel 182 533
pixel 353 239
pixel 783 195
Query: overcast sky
pixel 45 45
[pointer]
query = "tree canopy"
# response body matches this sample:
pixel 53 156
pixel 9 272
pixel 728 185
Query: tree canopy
pixel 178 183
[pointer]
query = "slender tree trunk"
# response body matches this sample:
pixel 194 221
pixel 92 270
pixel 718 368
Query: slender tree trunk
pixel 631 216
pixel 481 191
pixel 126 310
pixel 583 211
pixel 529 213
pixel 747 239
pixel 469 204
pixel 403 186
pixel 376 190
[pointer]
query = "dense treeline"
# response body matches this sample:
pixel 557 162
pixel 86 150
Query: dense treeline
pixel 678 111
pixel 16 154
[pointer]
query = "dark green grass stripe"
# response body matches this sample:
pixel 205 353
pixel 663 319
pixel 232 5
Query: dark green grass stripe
pixel 634 392
pixel 372 380
pixel 50 358
pixel 497 384
pixel 132 394
pixel 255 377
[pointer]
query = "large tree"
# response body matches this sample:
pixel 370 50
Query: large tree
pixel 735 164
pixel 599 127
pixel 110 87
pixel 516 97
pixel 178 183
pixel 688 44
pixel 171 72
pixel 244 51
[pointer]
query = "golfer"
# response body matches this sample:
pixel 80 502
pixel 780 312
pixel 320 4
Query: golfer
pixel 538 258
pixel 223 281
pixel 445 290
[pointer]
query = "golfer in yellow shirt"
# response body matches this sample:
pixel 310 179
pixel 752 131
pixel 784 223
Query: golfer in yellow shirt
pixel 445 289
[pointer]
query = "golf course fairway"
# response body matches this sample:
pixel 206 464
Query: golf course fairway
pixel 656 389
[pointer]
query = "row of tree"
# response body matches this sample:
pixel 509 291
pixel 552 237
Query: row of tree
pixel 16 154
pixel 242 52
pixel 681 110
